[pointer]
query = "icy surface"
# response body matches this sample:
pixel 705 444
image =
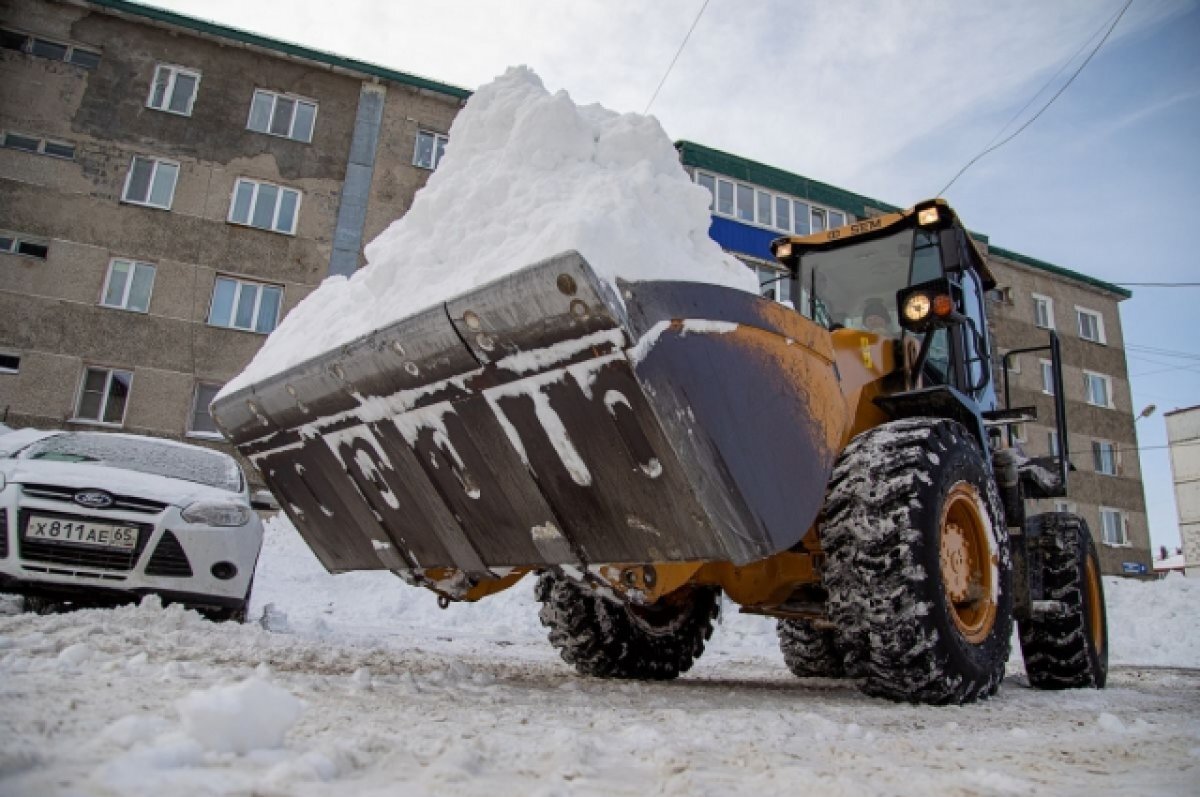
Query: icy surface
pixel 404 698
pixel 527 174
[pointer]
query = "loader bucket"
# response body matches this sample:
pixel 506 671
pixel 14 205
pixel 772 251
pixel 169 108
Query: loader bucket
pixel 551 418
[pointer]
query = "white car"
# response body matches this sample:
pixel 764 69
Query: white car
pixel 99 518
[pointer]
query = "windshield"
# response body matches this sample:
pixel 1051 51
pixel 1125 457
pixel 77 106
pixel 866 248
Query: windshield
pixel 143 455
pixel 855 286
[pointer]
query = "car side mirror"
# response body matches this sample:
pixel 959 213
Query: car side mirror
pixel 263 500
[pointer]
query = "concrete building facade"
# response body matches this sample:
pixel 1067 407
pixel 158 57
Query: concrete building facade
pixel 1183 437
pixel 170 188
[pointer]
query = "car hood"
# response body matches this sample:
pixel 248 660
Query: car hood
pixel 114 480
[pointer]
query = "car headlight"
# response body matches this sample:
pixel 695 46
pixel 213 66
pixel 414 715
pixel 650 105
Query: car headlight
pixel 216 513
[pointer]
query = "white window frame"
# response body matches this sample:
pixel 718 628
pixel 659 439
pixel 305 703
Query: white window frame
pixel 1108 389
pixel 275 97
pixel 237 297
pixel 173 71
pixel 437 151
pixel 1053 447
pixel 1097 318
pixel 108 378
pixel 756 195
pixel 1122 527
pixel 1047 371
pixel 1098 449
pixel 134 265
pixel 1049 303
pixel 192 431
pixel 258 184
pixel 150 185
pixel 16 240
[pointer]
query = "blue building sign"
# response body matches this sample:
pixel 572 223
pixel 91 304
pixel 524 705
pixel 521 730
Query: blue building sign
pixel 1134 568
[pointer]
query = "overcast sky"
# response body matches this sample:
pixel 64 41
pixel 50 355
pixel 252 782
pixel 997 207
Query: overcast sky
pixel 886 99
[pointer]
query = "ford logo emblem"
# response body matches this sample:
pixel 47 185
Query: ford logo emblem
pixel 94 499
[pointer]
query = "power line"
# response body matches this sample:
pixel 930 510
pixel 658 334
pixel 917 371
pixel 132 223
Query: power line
pixel 683 44
pixel 1159 284
pixel 1049 102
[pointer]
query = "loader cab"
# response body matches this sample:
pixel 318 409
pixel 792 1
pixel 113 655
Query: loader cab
pixel 855 277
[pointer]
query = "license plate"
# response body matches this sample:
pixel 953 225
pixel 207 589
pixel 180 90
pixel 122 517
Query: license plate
pixel 81 532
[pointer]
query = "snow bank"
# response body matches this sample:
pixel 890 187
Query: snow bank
pixel 1154 622
pixel 527 174
pixel 251 715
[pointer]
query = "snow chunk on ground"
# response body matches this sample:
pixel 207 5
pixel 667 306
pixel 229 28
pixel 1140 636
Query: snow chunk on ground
pixel 526 174
pixel 251 715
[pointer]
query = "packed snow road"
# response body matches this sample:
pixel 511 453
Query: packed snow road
pixel 361 686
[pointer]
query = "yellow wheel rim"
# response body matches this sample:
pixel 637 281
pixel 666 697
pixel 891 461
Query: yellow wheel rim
pixel 1094 604
pixel 968 563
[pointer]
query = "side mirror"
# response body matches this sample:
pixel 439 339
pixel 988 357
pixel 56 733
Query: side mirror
pixel 925 307
pixel 262 499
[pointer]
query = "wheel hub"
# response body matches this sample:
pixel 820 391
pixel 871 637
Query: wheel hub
pixel 968 565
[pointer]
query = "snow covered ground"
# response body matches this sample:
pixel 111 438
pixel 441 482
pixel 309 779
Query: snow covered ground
pixel 363 686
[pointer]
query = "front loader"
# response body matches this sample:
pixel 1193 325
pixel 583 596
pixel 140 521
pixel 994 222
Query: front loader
pixel 641 447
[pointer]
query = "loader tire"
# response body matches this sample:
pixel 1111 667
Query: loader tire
pixel 602 637
pixel 1067 649
pixel 808 651
pixel 918 568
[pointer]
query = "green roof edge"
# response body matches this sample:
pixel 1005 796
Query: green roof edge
pixel 295 50
pixel 737 167
pixel 1008 254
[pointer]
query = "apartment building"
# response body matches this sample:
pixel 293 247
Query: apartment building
pixel 169 189
pixel 754 203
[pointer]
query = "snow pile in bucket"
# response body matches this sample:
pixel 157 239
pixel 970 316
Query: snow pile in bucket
pixel 527 174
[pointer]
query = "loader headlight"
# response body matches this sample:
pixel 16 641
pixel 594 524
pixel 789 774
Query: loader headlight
pixel 927 217
pixel 917 307
pixel 216 513
pixel 783 251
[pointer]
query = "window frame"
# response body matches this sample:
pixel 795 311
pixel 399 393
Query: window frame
pixel 157 161
pixel 756 196
pixel 69 50
pixel 40 145
pixel 438 151
pixel 1053 444
pixel 134 266
pixel 1049 302
pixel 6 370
pixel 192 431
pixel 296 101
pixel 17 239
pixel 258 184
pixel 1047 372
pixel 1097 317
pixel 1122 525
pixel 1098 450
pixel 1066 506
pixel 109 371
pixel 1108 389
pixel 175 70
pixel 237 297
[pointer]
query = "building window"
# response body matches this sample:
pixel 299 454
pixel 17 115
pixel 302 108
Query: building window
pixel 1112 527
pixel 820 221
pixel 282 115
pixel 1091 325
pixel 173 90
pixel 767 209
pixel 1018 433
pixel 103 395
pixel 151 182
pixel 429 149
pixel 1052 443
pixel 745 202
pixel 38 146
pixel 128 285
pixel 708 182
pixel 1066 506
pixel 774 284
pixel 1104 457
pixel 1043 311
pixel 10 363
pixel 202 424
pixel 241 304
pixel 1047 377
pixel 1098 388
pixel 264 205
pixel 46 48
pixel 15 243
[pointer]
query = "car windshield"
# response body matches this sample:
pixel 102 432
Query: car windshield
pixel 143 455
pixel 855 286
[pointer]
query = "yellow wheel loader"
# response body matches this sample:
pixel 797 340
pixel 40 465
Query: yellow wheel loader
pixel 843 465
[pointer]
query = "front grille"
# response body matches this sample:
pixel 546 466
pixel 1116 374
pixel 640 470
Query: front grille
pixel 64 553
pixel 3 533
pixel 169 559
pixel 128 503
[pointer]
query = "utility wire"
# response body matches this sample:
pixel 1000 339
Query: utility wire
pixel 1049 102
pixel 1158 284
pixel 683 44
